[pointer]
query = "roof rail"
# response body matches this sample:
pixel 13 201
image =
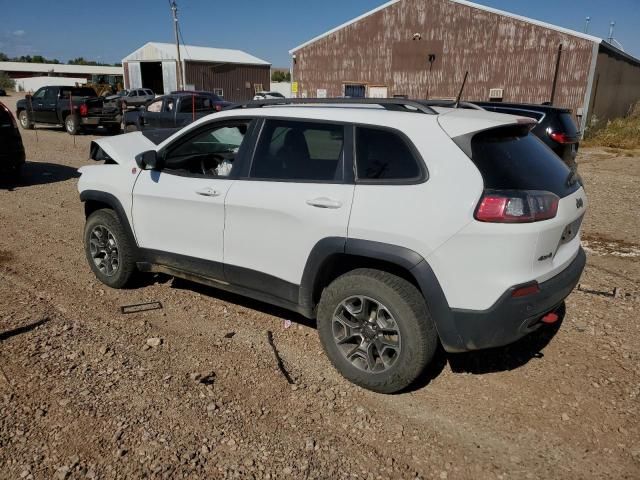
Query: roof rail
pixel 451 104
pixel 395 104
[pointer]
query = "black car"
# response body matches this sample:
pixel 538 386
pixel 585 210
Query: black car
pixel 216 100
pixel 12 151
pixel 555 126
pixel 172 111
pixel 3 93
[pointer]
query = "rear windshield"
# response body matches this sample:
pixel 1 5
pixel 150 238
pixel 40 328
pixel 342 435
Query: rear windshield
pixel 77 92
pixel 510 158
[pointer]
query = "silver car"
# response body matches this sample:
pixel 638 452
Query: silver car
pixel 137 97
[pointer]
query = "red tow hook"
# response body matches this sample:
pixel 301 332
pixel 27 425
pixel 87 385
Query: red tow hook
pixel 550 318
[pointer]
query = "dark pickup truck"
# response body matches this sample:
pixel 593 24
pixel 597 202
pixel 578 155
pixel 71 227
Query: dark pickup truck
pixel 173 111
pixel 74 107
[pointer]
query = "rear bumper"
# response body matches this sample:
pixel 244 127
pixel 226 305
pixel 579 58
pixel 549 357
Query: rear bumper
pixel 97 121
pixel 509 319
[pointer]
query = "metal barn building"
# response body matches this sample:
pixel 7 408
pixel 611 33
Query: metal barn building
pixel 422 49
pixel 233 74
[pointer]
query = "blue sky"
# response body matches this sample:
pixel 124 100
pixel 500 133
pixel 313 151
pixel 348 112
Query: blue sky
pixel 108 31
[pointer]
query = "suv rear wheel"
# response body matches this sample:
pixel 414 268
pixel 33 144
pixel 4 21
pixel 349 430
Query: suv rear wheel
pixel 108 249
pixel 376 329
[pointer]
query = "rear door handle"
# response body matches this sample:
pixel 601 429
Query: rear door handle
pixel 324 202
pixel 208 192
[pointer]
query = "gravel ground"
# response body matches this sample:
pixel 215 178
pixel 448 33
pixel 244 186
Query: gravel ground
pixel 193 390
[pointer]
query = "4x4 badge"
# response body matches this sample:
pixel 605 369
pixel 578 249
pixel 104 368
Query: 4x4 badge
pixel 579 203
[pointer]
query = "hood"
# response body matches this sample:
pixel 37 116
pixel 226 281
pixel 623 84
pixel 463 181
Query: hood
pixel 121 149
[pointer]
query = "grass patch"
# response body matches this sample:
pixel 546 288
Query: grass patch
pixel 622 133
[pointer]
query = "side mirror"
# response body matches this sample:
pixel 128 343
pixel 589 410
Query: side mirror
pixel 150 160
pixel 27 97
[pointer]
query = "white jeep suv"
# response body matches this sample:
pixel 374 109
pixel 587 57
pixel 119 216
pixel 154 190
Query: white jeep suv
pixel 396 225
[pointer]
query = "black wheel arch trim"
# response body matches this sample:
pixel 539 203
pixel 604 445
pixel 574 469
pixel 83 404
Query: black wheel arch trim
pixel 402 257
pixel 113 202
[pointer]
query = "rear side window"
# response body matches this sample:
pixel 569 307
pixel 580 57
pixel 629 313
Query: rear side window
pixel 382 155
pixel 202 104
pixel 305 151
pixel 510 158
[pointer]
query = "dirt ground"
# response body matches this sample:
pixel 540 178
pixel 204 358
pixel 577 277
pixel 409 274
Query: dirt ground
pixel 193 390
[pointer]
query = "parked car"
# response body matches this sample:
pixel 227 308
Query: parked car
pixel 268 95
pixel 554 126
pixel 3 93
pixel 12 155
pixel 76 108
pixel 134 98
pixel 395 228
pixel 171 111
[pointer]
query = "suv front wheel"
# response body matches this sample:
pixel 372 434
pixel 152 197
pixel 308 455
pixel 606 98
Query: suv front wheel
pixel 376 329
pixel 108 249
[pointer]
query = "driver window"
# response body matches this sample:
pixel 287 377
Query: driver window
pixel 211 152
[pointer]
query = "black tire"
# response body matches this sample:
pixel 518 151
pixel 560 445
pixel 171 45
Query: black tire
pixel 25 122
pixel 418 336
pixel 126 265
pixel 130 128
pixel 72 124
pixel 114 130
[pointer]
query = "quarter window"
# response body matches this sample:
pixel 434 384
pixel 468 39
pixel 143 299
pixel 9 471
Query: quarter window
pixel 303 151
pixel 383 155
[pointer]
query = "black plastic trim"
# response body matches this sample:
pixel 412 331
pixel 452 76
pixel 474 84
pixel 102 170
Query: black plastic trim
pixel 114 203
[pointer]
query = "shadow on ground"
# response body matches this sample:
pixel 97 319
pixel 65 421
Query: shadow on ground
pixel 37 173
pixel 20 330
pixel 478 362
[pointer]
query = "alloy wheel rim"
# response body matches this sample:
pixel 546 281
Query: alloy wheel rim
pixel 23 119
pixel 104 250
pixel 69 125
pixel 366 334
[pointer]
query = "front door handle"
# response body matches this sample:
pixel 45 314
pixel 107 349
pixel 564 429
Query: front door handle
pixel 324 202
pixel 208 192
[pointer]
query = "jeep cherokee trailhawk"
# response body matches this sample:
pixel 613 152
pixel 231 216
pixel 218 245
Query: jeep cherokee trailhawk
pixel 394 224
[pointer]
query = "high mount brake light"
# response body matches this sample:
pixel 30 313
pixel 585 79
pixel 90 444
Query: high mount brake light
pixel 516 206
pixel 562 138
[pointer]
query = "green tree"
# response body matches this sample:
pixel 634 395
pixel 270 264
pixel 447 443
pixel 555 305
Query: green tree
pixel 3 57
pixel 6 83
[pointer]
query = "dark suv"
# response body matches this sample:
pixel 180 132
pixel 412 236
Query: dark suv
pixel 555 126
pixel 11 149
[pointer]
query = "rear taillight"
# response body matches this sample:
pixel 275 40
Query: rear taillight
pixel 562 138
pixel 516 206
pixel 525 291
pixel 10 115
pixel 84 110
pixel 218 108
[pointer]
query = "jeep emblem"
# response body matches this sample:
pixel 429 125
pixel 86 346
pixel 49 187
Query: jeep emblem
pixel 579 203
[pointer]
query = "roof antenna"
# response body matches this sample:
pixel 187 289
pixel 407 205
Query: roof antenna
pixel 459 97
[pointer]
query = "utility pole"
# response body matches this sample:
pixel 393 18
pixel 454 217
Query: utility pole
pixel 174 10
